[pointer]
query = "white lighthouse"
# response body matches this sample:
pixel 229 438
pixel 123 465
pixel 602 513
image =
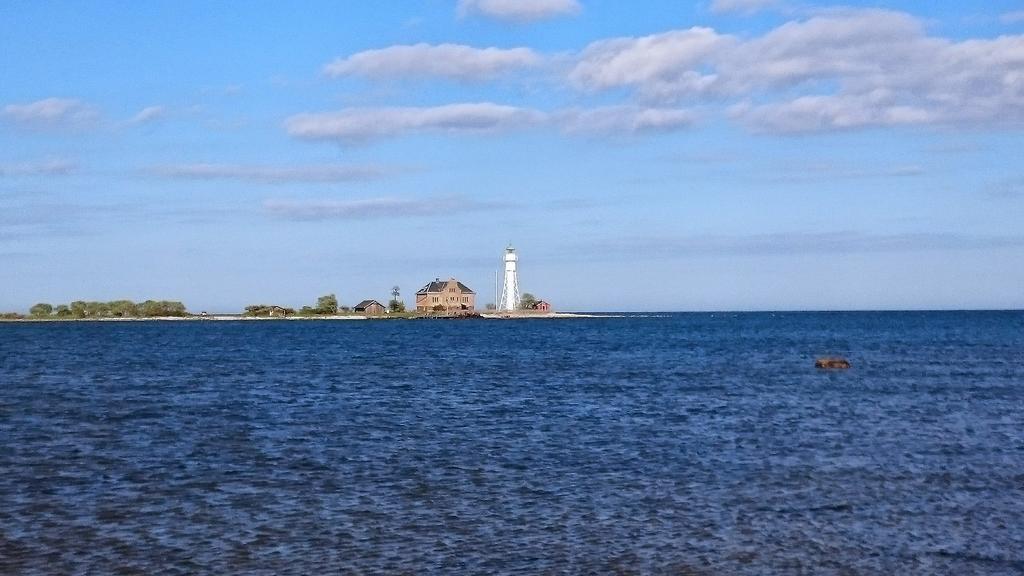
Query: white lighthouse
pixel 510 290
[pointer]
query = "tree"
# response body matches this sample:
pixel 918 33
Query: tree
pixel 62 311
pixel 41 309
pixel 97 309
pixel 396 305
pixel 491 306
pixel 257 310
pixel 173 308
pixel 156 308
pixel 78 309
pixel 527 301
pixel 123 308
pixel 327 304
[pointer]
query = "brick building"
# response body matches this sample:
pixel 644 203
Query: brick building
pixel 450 294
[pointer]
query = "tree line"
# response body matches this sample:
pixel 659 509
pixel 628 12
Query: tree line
pixel 112 309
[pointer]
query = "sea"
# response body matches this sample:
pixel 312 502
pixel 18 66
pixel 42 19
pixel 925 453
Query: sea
pixel 678 444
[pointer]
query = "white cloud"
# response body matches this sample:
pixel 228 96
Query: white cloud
pixel 50 112
pixel 840 69
pixel 45 168
pixel 837 70
pixel 623 120
pixel 661 66
pixel 149 114
pixel 307 210
pixel 446 60
pixel 742 6
pixel 269 174
pixel 1006 188
pixel 361 124
pixel 519 10
pixel 830 171
pixel 821 113
pixel 848 44
pixel 1012 17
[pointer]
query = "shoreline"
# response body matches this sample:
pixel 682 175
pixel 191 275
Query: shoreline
pixel 348 317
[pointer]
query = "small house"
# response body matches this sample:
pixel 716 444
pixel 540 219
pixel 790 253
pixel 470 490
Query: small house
pixel 278 311
pixel 369 307
pixel 542 306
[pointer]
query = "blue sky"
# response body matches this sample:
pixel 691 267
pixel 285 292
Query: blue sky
pixel 661 155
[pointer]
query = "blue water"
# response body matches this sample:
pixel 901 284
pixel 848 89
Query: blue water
pixel 682 444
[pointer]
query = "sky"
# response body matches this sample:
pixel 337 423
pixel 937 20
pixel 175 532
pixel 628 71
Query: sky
pixel 651 155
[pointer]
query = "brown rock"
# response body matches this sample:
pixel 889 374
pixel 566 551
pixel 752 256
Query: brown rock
pixel 834 363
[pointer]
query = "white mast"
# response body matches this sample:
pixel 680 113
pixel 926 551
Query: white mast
pixel 510 291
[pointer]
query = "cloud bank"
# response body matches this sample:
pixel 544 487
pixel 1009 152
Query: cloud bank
pixel 856 68
pixel 840 69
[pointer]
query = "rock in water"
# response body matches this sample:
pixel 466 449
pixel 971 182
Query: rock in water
pixel 832 363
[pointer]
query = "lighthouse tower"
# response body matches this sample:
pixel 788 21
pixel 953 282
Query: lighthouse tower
pixel 510 290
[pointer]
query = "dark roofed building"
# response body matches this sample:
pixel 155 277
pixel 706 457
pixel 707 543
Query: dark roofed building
pixel 449 295
pixel 369 307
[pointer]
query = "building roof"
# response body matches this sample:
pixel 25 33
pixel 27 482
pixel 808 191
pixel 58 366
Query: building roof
pixel 438 286
pixel 366 304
